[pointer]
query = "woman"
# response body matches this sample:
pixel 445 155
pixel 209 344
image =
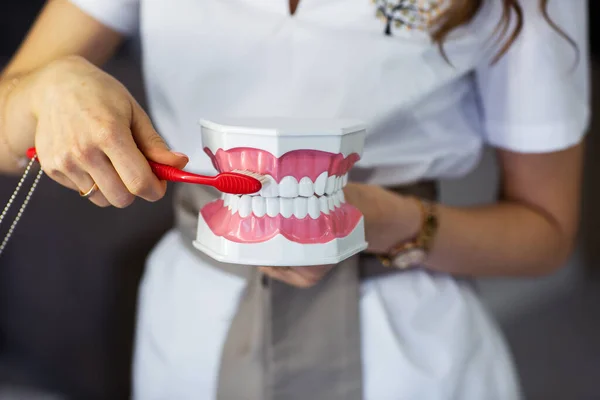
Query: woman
pixel 419 333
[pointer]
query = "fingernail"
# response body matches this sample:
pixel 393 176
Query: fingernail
pixel 180 154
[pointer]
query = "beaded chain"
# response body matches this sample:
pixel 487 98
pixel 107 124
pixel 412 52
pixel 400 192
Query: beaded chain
pixel 21 162
pixel 25 202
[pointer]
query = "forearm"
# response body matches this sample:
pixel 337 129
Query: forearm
pixel 505 239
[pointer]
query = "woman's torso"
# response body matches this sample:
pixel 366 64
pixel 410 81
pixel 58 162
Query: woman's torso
pixel 250 58
pixel 423 335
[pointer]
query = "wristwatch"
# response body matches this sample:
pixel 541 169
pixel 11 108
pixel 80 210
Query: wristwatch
pixel 414 252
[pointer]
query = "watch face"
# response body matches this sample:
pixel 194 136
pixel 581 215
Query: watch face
pixel 409 258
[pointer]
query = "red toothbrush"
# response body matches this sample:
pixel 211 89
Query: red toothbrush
pixel 235 182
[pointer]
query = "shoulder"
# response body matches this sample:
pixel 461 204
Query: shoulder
pixel 119 15
pixel 536 98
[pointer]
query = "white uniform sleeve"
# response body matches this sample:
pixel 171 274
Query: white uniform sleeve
pixel 536 98
pixel 120 15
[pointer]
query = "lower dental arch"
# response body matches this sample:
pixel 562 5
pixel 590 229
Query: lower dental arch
pixel 299 207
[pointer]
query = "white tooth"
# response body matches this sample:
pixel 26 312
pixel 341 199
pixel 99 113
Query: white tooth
pixel 320 184
pixel 272 206
pixel 323 205
pixel 235 200
pixel 345 179
pixel 226 200
pixel 288 187
pixel 258 206
pixel 338 183
pixel 314 210
pixel 330 188
pixel 245 206
pixel 270 188
pixel 305 187
pixel 286 207
pixel 330 203
pixel 336 199
pixel 342 197
pixel 300 207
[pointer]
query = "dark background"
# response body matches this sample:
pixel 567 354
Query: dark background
pixel 68 280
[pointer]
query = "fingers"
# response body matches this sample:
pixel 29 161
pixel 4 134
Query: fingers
pixel 82 183
pixel 99 199
pixel 60 178
pixel 68 171
pixel 109 183
pixel 286 275
pixel 91 130
pixel 96 198
pixel 129 155
pixel 98 146
pixel 129 165
pixel 150 143
pixel 301 277
pixel 85 162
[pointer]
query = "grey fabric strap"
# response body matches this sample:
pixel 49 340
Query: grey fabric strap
pixel 286 343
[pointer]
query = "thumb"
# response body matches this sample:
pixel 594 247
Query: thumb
pixel 150 143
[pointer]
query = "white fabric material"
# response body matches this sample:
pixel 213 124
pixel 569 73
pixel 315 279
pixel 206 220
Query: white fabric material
pixel 537 98
pixel 424 337
pixel 121 16
pixel 426 118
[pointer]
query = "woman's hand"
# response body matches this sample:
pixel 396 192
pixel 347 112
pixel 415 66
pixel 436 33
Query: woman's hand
pixel 91 130
pixel 389 219
pixel 302 277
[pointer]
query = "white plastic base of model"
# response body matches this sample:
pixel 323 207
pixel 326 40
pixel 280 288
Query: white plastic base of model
pixel 279 251
pixel 279 135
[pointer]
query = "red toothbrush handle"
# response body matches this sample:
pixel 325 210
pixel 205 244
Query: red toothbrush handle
pixel 31 153
pixel 228 182
pixel 162 171
pixel 172 174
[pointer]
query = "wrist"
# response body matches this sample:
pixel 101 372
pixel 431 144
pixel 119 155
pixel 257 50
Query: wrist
pixel 398 220
pixel 17 114
pixel 405 221
pixel 414 248
pixel 7 87
pixel 413 218
pixel 32 92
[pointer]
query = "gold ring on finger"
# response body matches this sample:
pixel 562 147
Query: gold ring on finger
pixel 90 192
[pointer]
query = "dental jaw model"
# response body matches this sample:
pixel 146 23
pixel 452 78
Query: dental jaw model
pixel 300 216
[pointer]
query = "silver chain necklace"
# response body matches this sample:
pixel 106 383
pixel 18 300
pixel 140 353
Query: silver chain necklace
pixel 25 201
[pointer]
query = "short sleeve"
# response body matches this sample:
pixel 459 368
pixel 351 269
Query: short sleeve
pixel 120 15
pixel 537 97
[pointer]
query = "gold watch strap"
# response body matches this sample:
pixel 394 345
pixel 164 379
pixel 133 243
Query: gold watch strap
pixel 423 240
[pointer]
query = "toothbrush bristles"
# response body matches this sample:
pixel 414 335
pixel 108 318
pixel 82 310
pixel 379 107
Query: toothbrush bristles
pixel 260 177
